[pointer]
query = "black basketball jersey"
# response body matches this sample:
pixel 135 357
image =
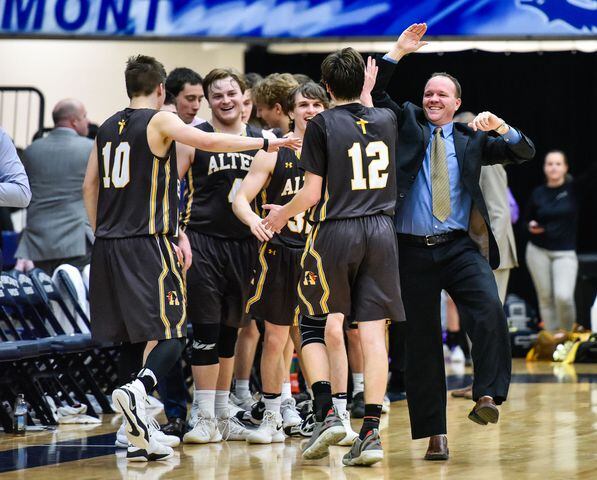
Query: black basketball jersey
pixel 138 192
pixel 212 183
pixel 287 179
pixel 352 148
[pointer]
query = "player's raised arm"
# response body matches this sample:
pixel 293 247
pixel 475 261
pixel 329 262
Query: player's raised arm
pixel 91 187
pixel 172 127
pixel 257 179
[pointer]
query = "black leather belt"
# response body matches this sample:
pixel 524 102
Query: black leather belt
pixel 430 240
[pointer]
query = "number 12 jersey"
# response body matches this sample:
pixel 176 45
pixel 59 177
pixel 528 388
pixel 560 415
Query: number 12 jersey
pixel 352 147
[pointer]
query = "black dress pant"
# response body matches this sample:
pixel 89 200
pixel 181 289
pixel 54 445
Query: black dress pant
pixel 459 268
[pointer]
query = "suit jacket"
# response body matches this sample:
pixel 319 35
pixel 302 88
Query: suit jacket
pixel 473 150
pixel 57 225
pixel 494 187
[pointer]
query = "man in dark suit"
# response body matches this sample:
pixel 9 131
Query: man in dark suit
pixel 445 242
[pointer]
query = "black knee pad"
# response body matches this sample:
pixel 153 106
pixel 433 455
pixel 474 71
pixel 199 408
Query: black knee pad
pixel 227 341
pixel 204 350
pixel 312 329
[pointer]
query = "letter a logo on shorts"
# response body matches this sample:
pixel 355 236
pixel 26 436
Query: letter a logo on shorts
pixel 310 278
pixel 172 298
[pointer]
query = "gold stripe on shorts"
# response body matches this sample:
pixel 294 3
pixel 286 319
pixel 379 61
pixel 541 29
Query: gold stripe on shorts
pixel 173 263
pixel 261 281
pixel 324 283
pixel 162 291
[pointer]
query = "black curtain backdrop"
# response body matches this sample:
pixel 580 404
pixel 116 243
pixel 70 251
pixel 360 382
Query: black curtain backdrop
pixel 551 97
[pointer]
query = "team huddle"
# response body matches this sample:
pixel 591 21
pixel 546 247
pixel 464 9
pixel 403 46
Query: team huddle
pixel 295 231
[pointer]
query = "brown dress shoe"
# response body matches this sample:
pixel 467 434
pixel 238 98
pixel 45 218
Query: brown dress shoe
pixel 466 392
pixel 485 411
pixel 438 448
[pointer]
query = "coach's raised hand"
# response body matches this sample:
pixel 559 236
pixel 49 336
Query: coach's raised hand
pixel 409 41
pixel 294 143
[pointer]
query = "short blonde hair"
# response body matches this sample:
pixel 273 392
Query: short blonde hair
pixel 274 89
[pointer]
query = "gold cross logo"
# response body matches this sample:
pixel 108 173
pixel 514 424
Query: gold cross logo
pixel 121 125
pixel 288 164
pixel 362 124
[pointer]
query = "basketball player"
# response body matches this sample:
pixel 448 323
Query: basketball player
pixel 270 97
pixel 351 256
pixel 131 196
pixel 274 299
pixel 224 256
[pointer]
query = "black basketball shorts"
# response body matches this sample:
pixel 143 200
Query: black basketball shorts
pixel 274 291
pixel 350 266
pixel 219 281
pixel 136 290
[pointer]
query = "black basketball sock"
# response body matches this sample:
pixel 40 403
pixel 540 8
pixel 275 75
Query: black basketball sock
pixel 130 361
pixel 322 391
pixel 371 419
pixel 161 360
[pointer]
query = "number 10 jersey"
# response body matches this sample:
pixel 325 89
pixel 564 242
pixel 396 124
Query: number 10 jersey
pixel 138 191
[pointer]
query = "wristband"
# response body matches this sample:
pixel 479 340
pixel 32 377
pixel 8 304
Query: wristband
pixel 265 144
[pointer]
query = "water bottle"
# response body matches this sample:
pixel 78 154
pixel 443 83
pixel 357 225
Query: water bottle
pixel 20 415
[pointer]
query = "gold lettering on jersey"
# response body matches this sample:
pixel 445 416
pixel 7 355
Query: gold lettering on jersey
pixel 288 165
pixel 362 124
pixel 229 161
pixel 121 125
pixel 291 186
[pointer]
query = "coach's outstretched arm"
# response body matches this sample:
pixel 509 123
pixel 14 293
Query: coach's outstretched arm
pixel 408 42
pixel 511 146
pixel 165 126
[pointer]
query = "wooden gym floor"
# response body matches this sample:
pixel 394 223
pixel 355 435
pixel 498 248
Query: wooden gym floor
pixel 547 430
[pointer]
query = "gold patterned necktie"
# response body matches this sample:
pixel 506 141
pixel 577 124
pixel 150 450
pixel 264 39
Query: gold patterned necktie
pixel 440 180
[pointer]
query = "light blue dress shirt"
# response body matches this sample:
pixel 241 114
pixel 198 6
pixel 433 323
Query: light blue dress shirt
pixel 415 215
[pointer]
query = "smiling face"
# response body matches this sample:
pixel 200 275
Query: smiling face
pixel 225 100
pixel 188 102
pixel 555 167
pixel 440 102
pixel 304 110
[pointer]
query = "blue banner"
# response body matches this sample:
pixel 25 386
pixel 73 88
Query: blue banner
pixel 296 18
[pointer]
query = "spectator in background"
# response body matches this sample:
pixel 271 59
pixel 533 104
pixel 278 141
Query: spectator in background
pixel 552 218
pixel 186 87
pixel 57 229
pixel 271 97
